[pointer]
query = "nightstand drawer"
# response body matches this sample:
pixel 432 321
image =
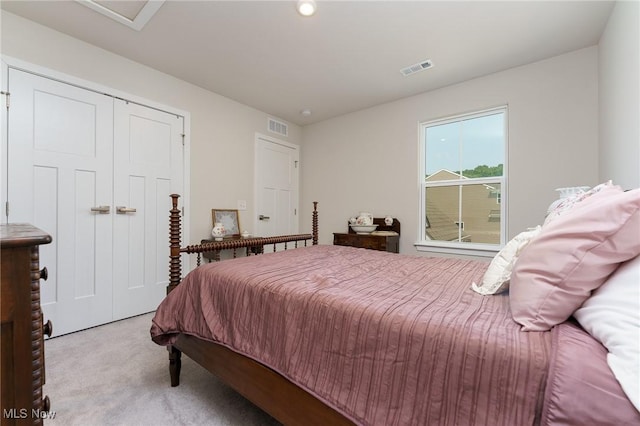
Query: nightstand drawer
pixel 388 243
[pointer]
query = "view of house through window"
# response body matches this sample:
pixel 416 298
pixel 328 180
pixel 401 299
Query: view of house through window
pixel 462 179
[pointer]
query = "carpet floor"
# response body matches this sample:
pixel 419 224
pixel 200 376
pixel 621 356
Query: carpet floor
pixel 115 375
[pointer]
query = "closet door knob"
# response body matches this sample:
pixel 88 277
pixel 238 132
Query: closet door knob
pixel 125 210
pixel 44 273
pixel 101 209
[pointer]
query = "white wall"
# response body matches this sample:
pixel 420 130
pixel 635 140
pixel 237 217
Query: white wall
pixel 222 131
pixel 367 160
pixel 619 83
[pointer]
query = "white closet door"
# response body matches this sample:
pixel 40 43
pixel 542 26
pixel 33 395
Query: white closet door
pixel 148 167
pixel 60 167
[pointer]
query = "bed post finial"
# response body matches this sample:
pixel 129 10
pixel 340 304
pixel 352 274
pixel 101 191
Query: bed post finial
pixel 314 224
pixel 175 266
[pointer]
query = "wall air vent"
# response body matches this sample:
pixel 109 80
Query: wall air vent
pixel 278 127
pixel 420 66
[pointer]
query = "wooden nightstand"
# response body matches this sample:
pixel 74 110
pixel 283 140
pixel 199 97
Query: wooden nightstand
pixel 390 243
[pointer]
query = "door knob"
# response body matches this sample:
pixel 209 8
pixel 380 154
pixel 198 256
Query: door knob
pixel 125 210
pixel 262 217
pixel 101 209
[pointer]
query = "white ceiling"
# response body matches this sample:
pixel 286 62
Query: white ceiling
pixel 345 58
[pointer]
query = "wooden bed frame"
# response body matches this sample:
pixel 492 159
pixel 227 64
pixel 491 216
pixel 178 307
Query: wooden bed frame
pixel 261 385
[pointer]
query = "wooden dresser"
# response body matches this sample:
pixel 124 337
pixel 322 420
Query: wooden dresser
pixel 22 329
pixel 390 243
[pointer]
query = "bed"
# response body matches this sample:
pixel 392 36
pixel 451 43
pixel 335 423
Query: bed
pixel 323 335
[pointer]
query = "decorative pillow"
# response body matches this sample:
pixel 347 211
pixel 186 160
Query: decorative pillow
pixel 562 206
pixel 572 256
pixel 612 316
pixel 498 275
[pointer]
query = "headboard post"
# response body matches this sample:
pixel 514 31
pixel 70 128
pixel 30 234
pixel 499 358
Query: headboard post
pixel 314 224
pixel 175 265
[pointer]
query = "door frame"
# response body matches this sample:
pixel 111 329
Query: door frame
pixel 9 62
pixel 4 130
pixel 270 139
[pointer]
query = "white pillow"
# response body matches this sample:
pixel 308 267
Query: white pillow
pixel 612 316
pixel 496 278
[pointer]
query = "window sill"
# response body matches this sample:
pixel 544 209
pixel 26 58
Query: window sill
pixel 444 247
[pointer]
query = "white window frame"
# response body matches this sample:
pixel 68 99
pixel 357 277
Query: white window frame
pixel 454 247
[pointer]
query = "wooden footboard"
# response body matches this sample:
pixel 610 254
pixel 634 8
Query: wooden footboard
pixel 262 386
pixel 266 388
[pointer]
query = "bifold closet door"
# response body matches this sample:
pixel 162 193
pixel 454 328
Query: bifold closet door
pixel 60 170
pixel 95 173
pixel 148 165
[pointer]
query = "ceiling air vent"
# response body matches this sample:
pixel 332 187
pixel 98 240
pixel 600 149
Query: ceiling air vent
pixel 420 66
pixel 278 127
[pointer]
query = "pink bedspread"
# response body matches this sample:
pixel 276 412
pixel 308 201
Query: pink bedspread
pixel 385 339
pixel 581 389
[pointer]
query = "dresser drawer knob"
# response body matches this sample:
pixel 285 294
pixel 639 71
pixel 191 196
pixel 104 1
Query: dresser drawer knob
pixel 46 404
pixel 44 273
pixel 47 328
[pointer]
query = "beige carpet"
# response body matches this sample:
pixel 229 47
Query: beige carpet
pixel 115 375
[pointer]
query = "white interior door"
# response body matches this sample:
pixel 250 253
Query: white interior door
pixel 276 187
pixel 148 166
pixel 60 159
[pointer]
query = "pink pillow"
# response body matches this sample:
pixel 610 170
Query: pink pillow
pixel 566 204
pixel 574 255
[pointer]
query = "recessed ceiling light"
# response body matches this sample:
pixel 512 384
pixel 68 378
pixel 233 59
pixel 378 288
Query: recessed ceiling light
pixel 306 7
pixel 305 112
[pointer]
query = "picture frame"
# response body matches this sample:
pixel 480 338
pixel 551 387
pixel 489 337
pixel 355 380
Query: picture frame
pixel 229 218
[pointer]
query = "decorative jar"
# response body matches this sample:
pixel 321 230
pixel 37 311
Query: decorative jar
pixel 218 231
pixel 364 218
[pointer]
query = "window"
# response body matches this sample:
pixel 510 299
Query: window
pixel 463 174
